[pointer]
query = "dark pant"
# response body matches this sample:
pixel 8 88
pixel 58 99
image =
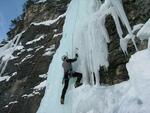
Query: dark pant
pixel 75 74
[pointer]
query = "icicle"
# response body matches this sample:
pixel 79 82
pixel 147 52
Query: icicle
pixel 104 30
pixel 120 10
pixel 117 23
pixel 91 69
pixel 149 43
pixel 123 45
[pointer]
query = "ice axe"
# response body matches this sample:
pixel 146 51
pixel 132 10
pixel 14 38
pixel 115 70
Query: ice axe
pixel 76 50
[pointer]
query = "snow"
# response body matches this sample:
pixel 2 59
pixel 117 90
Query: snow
pixel 4 78
pixel 36 88
pixel 41 1
pixel 49 22
pixel 38 48
pixel 98 99
pixel 40 86
pixel 55 30
pixel 15 73
pixel 50 48
pixel 49 51
pixel 21 51
pixel 43 76
pixel 14 102
pixel 35 40
pixel 6 106
pixel 30 49
pixel 56 35
pixel 138 69
pixel 30 95
pixel 27 57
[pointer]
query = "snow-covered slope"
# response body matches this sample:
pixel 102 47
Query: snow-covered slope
pixel 85 29
pixel 138 69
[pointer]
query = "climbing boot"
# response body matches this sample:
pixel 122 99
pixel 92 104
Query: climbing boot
pixel 77 84
pixel 62 101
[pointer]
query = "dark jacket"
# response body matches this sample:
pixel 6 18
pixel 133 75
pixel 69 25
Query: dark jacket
pixel 67 66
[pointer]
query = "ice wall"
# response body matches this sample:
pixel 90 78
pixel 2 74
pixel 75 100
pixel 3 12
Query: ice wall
pixel 78 13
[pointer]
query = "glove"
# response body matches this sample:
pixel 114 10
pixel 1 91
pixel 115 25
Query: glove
pixel 77 55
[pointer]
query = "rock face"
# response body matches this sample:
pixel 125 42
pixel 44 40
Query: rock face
pixel 39 43
pixel 137 12
pixel 29 68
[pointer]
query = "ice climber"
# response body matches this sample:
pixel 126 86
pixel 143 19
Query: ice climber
pixel 68 73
